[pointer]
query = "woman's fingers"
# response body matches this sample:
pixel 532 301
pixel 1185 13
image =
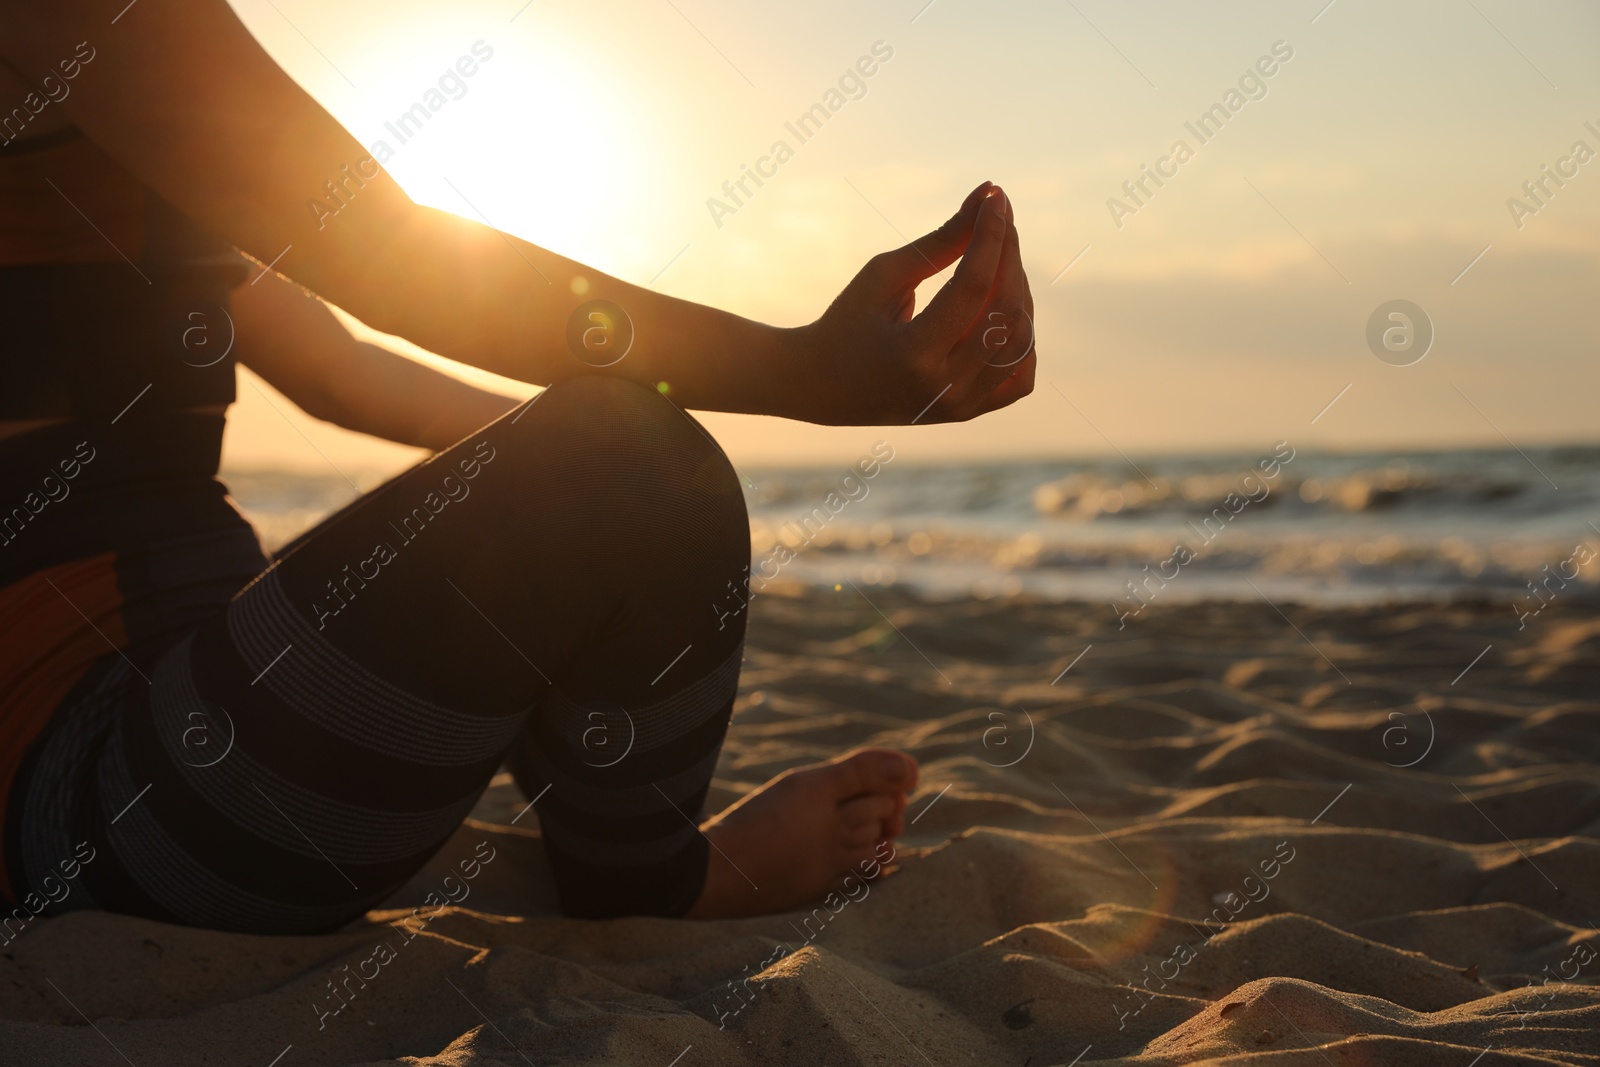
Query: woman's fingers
pixel 958 303
pixel 1009 391
pixel 907 266
pixel 1003 335
pixel 993 363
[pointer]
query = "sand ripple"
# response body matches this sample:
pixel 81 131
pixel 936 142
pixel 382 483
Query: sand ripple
pixel 1206 842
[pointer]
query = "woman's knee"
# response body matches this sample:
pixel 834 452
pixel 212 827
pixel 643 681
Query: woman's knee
pixel 599 411
pixel 633 456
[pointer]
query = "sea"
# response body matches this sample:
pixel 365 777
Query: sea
pixel 1317 528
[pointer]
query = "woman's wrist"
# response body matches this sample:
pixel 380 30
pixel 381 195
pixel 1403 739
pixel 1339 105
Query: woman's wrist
pixel 735 365
pixel 784 375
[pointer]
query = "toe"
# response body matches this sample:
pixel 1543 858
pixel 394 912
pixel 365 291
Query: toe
pixel 874 770
pixel 859 855
pixel 862 836
pixel 872 810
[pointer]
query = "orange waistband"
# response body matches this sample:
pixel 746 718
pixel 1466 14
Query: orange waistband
pixel 54 625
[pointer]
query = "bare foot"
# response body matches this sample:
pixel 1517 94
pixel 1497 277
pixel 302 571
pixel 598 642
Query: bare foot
pixel 795 838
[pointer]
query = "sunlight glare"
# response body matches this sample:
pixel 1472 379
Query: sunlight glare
pixel 541 141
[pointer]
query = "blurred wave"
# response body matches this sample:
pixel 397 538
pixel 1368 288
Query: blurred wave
pixel 1328 528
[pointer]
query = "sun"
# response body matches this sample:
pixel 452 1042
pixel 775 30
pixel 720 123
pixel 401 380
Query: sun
pixel 524 132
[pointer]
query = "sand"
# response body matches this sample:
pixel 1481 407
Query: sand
pixel 1200 844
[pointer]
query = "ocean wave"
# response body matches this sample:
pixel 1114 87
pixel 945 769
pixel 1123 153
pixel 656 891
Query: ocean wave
pixel 1089 496
pixel 1327 528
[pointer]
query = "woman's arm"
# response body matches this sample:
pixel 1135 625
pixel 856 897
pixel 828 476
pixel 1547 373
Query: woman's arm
pixel 182 96
pixel 291 339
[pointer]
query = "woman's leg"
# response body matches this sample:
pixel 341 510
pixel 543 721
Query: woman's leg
pixel 553 582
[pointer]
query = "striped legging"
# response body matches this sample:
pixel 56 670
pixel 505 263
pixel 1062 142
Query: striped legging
pixel 540 596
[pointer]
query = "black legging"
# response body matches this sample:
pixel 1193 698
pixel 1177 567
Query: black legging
pixel 543 595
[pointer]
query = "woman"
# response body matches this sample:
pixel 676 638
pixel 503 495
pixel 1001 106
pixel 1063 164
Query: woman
pixel 192 732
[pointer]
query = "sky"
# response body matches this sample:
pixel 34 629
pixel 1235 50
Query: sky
pixel 1225 309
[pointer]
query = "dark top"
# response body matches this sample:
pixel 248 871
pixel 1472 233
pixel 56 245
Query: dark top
pixel 100 312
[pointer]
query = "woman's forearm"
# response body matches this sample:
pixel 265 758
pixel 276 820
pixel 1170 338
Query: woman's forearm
pixel 518 310
pixel 388 403
pixel 301 348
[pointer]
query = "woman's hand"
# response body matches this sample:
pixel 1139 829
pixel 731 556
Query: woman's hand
pixel 870 361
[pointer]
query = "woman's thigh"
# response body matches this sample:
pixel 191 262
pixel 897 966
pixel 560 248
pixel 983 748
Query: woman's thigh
pixel 553 585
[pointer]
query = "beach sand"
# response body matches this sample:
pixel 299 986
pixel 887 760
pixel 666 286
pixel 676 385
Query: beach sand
pixel 1200 844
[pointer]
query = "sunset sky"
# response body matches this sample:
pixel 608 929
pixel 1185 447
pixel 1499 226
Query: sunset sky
pixel 1226 311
